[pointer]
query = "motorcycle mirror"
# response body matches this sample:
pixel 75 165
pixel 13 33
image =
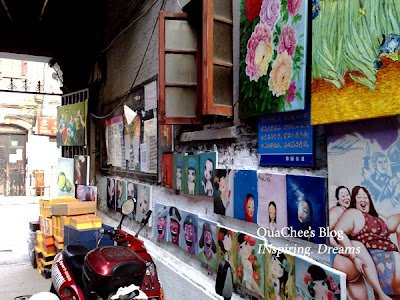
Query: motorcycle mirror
pixel 128 207
pixel 224 281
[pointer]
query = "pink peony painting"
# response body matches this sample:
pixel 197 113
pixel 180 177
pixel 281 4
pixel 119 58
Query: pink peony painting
pixel 272 56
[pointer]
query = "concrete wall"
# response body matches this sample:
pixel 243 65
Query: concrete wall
pixel 122 61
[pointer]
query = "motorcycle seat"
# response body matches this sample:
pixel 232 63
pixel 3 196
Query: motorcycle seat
pixel 74 256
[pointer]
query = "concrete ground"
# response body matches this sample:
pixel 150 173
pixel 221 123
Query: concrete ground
pixel 17 276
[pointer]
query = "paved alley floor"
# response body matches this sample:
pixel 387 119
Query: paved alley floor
pixel 17 276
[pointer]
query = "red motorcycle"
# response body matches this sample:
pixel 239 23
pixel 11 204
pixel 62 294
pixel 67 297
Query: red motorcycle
pixel 113 272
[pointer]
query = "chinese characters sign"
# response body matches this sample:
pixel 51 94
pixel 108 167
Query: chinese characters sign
pixel 286 139
pixel 46 126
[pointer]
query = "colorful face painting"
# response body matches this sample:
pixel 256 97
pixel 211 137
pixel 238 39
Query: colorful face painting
pixel 273 41
pixel 208 164
pixel 65 177
pixel 177 171
pixel 246 195
pixel 71 120
pixel 86 193
pixel 355 61
pixel 81 169
pixel 227 247
pixel 167 170
pixel 364 201
pixel 272 206
pixel 250 263
pixel 191 174
pixel 189 237
pixel 223 192
pixel 131 194
pixel 118 195
pixel 161 221
pixel 144 202
pixel 123 195
pixel 279 275
pixel 207 244
pixel 316 281
pixel 111 193
pixel 175 233
pixel 306 204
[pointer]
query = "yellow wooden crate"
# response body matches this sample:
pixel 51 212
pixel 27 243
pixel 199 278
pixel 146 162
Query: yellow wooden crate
pixel 46 263
pixel 56 225
pixel 45 204
pixel 47 227
pixel 86 222
pixel 72 209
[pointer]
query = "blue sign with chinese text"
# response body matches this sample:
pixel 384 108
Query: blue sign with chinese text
pixel 286 139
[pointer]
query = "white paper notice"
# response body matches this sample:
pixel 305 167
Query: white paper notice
pixel 19 154
pixel 150 138
pixel 12 158
pixel 136 150
pixel 143 158
pixel 150 95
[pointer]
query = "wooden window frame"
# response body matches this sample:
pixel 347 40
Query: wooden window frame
pixel 209 108
pixel 163 119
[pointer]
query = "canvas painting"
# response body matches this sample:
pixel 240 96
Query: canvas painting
pixel 174 229
pixel 144 202
pixel 223 192
pixel 111 193
pixel 306 205
pixel 71 120
pixel 364 202
pixel 167 169
pixel 131 194
pixel 317 281
pixel 161 221
pixel 273 48
pixel 191 174
pixel 190 235
pixel 208 164
pixel 250 263
pixel 65 177
pixel 246 195
pixel 280 280
pixel 167 138
pixel 207 242
pixel 355 60
pixel 86 193
pixel 227 247
pixel 121 196
pixel 81 169
pixel 178 171
pixel 272 205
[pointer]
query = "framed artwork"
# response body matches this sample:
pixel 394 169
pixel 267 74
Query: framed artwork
pixel 191 174
pixel 167 170
pixel 65 177
pixel 131 193
pixel 167 138
pixel 223 192
pixel 272 205
pixel 306 204
pixel 121 195
pixel 190 235
pixel 273 42
pixel 71 120
pixel 178 171
pixel 144 202
pixel 246 195
pixel 86 193
pixel 175 231
pixel 208 164
pixel 207 243
pixel 81 169
pixel 111 193
pixel 227 247
pixel 161 221
pixel 355 60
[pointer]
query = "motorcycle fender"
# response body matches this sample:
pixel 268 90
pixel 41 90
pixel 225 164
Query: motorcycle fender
pixel 62 278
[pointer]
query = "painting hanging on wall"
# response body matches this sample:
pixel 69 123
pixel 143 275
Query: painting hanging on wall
pixel 223 192
pixel 65 177
pixel 81 169
pixel 131 194
pixel 161 221
pixel 174 230
pixel 355 60
pixel 280 280
pixel 144 202
pixel 208 164
pixel 178 171
pixel 306 205
pixel 207 243
pixel 367 193
pixel 86 193
pixel 246 195
pixel 111 193
pixel 273 42
pixel 121 195
pixel 167 138
pixel 189 239
pixel 71 120
pixel 317 281
pixel 191 174
pixel 272 205
pixel 167 170
pixel 227 247
pixel 250 263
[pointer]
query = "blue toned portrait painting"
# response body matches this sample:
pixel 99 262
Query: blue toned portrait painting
pixel 246 195
pixel 306 204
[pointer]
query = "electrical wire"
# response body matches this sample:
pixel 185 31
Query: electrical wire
pixel 179 4
pixel 137 73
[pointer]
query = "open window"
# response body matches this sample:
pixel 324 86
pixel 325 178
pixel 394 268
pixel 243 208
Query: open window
pixel 196 62
pixel 179 74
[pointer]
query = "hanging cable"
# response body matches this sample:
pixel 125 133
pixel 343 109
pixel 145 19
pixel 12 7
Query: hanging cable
pixel 137 73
